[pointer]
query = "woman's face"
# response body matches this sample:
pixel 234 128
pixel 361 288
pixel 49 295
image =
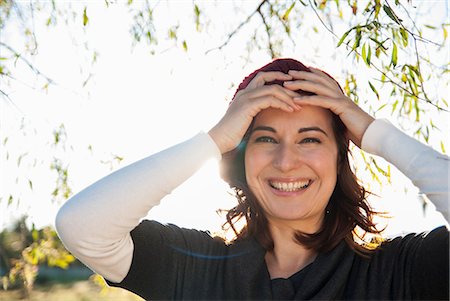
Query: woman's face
pixel 291 165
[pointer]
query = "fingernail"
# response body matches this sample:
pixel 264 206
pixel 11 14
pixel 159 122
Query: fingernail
pixel 288 82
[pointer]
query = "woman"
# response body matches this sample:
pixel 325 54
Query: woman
pixel 284 146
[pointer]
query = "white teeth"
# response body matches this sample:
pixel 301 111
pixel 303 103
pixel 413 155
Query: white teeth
pixel 291 186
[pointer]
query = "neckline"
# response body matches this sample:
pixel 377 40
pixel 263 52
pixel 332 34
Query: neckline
pixel 296 274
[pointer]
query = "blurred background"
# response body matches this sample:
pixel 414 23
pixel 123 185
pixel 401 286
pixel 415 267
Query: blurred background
pixel 87 87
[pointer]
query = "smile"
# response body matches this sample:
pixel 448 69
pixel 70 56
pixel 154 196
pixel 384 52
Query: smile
pixel 290 186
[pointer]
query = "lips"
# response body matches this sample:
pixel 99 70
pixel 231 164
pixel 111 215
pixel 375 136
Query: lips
pixel 290 186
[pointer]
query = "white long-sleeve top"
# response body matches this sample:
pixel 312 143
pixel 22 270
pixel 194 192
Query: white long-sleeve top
pixel 95 224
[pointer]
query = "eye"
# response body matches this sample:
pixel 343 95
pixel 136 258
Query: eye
pixel 311 140
pixel 265 139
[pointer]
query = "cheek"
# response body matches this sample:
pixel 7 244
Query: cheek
pixel 324 163
pixel 255 161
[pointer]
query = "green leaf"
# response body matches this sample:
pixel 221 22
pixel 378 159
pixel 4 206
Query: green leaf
pixel 413 70
pixel 394 55
pixel 173 33
pixel 85 17
pixel 404 35
pixel 442 147
pixel 391 14
pixel 366 54
pixel 377 8
pixel 185 46
pixel 382 107
pixel 404 78
pixel 363 53
pixel 196 10
pixel 35 234
pixel 343 37
pixel 357 38
pixel 413 85
pixel 394 106
pixel 285 16
pixel 374 90
pixel 19 159
pixel 197 17
pixel 416 108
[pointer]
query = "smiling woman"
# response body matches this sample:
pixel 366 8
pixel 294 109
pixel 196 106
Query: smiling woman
pixel 283 145
pixel 308 146
pixel 300 150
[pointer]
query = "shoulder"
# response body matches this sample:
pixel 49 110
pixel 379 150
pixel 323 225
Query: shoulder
pixel 158 236
pixel 413 250
pixel 174 237
pixel 413 266
pixel 424 260
pixel 434 239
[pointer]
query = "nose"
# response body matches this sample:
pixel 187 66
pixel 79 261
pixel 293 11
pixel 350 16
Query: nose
pixel 286 158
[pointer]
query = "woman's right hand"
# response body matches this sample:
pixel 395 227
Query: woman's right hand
pixel 247 103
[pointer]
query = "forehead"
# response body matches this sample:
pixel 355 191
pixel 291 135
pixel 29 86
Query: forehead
pixel 307 116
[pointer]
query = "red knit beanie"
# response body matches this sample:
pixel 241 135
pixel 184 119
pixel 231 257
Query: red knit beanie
pixel 281 65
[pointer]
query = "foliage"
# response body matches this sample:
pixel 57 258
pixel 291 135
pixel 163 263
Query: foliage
pixel 22 252
pixel 386 41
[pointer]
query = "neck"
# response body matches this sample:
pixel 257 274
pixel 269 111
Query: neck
pixel 287 257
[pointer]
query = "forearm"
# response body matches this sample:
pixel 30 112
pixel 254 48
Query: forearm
pixel 426 168
pixel 95 223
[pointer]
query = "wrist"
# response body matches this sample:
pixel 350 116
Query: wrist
pixel 216 138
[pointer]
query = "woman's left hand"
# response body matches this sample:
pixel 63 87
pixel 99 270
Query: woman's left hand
pixel 330 96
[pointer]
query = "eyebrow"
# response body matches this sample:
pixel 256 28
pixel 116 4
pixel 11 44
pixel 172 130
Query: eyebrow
pixel 300 130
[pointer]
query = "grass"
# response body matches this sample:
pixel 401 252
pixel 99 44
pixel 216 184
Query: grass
pixel 83 290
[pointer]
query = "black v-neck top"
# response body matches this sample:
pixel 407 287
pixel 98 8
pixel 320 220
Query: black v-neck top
pixel 174 263
pixel 286 288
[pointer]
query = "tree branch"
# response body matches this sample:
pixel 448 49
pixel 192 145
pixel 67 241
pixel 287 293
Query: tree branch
pixel 286 27
pixel 415 36
pixel 236 30
pixel 31 66
pixel 269 36
pixel 377 68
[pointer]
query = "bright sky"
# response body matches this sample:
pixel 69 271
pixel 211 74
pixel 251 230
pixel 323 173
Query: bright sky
pixel 137 104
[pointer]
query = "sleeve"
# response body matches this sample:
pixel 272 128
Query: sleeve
pixel 170 262
pixel 430 271
pixel 426 168
pixel 416 266
pixel 95 224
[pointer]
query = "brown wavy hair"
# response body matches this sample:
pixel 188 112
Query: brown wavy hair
pixel 347 209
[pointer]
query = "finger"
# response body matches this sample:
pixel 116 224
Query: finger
pixel 278 91
pixel 316 75
pixel 336 105
pixel 312 86
pixel 270 101
pixel 262 77
pixel 328 78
